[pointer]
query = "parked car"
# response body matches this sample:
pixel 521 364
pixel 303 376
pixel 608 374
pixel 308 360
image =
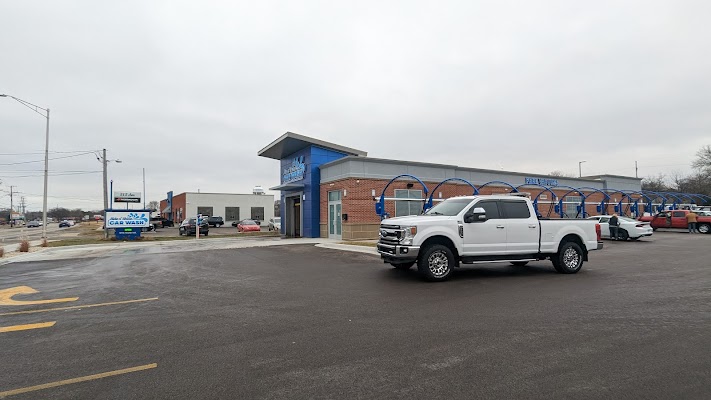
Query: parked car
pixel 248 225
pixel 157 222
pixel 474 229
pixel 188 227
pixel 676 219
pixel 629 228
pixel 66 223
pixel 275 224
pixel 215 221
pixel 34 224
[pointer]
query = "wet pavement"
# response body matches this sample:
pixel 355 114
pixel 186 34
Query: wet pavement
pixel 302 322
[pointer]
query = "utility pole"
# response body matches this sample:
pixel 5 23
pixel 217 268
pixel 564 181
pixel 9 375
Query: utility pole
pixel 46 170
pixel 22 204
pixel 144 188
pixel 635 170
pixel 106 196
pixel 11 209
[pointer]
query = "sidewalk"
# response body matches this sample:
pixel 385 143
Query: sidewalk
pixel 125 248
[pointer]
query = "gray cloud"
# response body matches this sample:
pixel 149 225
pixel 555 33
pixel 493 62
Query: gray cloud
pixel 191 91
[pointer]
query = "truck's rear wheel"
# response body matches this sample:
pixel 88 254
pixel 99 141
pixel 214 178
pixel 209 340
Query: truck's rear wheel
pixel 404 266
pixel 704 228
pixel 569 258
pixel 436 263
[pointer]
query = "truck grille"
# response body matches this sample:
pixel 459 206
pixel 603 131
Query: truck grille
pixel 390 234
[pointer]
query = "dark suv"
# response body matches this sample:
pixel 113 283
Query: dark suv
pixel 188 227
pixel 215 221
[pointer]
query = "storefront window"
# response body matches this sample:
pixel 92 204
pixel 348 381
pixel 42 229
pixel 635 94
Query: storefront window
pixel 571 206
pixel 403 208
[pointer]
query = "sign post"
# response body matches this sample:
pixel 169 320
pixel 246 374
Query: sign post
pixel 198 221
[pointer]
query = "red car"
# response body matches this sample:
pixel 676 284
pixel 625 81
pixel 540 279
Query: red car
pixel 247 225
pixel 677 219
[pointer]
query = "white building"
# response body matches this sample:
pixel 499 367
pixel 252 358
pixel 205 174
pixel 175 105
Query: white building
pixel 230 206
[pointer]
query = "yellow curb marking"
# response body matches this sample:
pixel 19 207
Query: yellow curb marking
pixel 6 297
pixel 77 380
pixel 26 327
pixel 74 307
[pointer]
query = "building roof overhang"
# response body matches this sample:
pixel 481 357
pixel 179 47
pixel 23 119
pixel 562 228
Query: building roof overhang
pixel 288 186
pixel 290 142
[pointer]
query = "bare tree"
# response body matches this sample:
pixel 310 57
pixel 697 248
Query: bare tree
pixel 703 159
pixel 655 183
pixel 153 205
pixel 561 174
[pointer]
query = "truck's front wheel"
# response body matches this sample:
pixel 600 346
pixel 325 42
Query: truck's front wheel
pixel 569 258
pixel 436 263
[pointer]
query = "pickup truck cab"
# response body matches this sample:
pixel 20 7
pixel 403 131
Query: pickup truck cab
pixel 475 229
pixel 676 219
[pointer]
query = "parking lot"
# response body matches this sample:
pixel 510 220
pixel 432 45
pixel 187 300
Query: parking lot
pixel 302 322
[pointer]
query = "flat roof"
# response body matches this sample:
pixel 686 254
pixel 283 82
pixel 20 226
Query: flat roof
pixel 290 142
pixel 596 178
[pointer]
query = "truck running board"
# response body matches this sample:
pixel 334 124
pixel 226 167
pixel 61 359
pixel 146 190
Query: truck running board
pixel 506 258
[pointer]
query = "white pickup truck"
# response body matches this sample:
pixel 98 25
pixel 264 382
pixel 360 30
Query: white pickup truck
pixel 474 229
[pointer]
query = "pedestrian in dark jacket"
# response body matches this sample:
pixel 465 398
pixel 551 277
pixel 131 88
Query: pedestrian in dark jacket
pixel 614 227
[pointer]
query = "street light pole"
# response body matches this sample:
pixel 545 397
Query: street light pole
pixel 106 194
pixel 37 109
pixel 580 168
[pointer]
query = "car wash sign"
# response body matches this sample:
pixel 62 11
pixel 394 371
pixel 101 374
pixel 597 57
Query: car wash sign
pixel 127 197
pixel 295 171
pixel 127 219
pixel 542 181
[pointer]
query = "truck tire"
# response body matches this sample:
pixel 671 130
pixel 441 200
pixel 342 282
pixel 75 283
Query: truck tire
pixel 519 263
pixel 404 266
pixel 569 258
pixel 436 263
pixel 704 228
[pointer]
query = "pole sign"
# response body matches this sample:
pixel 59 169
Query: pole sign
pixel 127 197
pixel 127 219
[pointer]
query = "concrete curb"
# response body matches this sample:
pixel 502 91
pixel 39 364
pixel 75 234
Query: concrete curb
pixel 349 247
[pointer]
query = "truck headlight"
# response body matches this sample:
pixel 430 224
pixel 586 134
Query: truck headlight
pixel 409 233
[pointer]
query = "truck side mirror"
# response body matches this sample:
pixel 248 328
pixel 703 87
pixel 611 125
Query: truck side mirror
pixel 477 215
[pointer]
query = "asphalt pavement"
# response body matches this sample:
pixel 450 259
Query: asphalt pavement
pixel 302 322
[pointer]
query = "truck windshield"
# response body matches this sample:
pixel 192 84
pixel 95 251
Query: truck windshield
pixel 449 207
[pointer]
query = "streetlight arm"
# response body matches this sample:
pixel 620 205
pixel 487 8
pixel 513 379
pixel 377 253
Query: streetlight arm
pixel 29 105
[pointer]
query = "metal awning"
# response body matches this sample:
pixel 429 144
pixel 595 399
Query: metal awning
pixel 288 186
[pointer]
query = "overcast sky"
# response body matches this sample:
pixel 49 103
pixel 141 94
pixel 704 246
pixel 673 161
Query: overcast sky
pixel 191 91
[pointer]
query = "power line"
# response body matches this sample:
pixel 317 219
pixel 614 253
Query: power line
pixel 51 174
pixel 55 158
pixel 51 152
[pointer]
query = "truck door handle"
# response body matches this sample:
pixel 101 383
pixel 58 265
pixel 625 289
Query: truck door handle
pixel 499 227
pixel 533 226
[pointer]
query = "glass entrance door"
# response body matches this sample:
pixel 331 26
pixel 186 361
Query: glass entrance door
pixel 334 215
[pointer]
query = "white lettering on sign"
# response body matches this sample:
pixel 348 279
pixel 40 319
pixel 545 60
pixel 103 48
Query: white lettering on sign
pixel 295 172
pixel 126 219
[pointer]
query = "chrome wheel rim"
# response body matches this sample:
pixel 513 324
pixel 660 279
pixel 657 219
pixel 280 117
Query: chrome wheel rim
pixel 438 263
pixel 703 228
pixel 571 258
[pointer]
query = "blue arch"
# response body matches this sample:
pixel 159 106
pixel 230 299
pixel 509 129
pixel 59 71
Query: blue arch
pixel 380 204
pixel 703 197
pixel 559 206
pixel 428 203
pixel 658 196
pixel 602 206
pixel 535 200
pixel 500 182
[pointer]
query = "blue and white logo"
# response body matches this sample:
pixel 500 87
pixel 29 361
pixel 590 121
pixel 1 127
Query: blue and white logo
pixel 126 219
pixel 295 172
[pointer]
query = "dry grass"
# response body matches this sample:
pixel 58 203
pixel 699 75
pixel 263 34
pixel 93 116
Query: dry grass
pixel 24 246
pixel 2 252
pixel 44 243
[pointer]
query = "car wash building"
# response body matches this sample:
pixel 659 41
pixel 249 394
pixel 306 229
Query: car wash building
pixel 329 190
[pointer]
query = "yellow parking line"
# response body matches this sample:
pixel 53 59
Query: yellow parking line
pixel 26 327
pixel 74 307
pixel 77 380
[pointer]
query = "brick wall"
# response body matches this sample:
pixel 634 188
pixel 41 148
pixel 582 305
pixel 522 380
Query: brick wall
pixel 362 222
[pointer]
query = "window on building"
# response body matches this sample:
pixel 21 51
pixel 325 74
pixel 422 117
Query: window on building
pixel 205 211
pixel 334 196
pixel 231 213
pixel 516 209
pixel 403 208
pixel 571 204
pixel 258 213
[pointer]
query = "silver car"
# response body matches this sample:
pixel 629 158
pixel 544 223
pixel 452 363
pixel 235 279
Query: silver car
pixel 275 224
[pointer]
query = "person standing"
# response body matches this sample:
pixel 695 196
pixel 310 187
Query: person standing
pixel 691 221
pixel 614 227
